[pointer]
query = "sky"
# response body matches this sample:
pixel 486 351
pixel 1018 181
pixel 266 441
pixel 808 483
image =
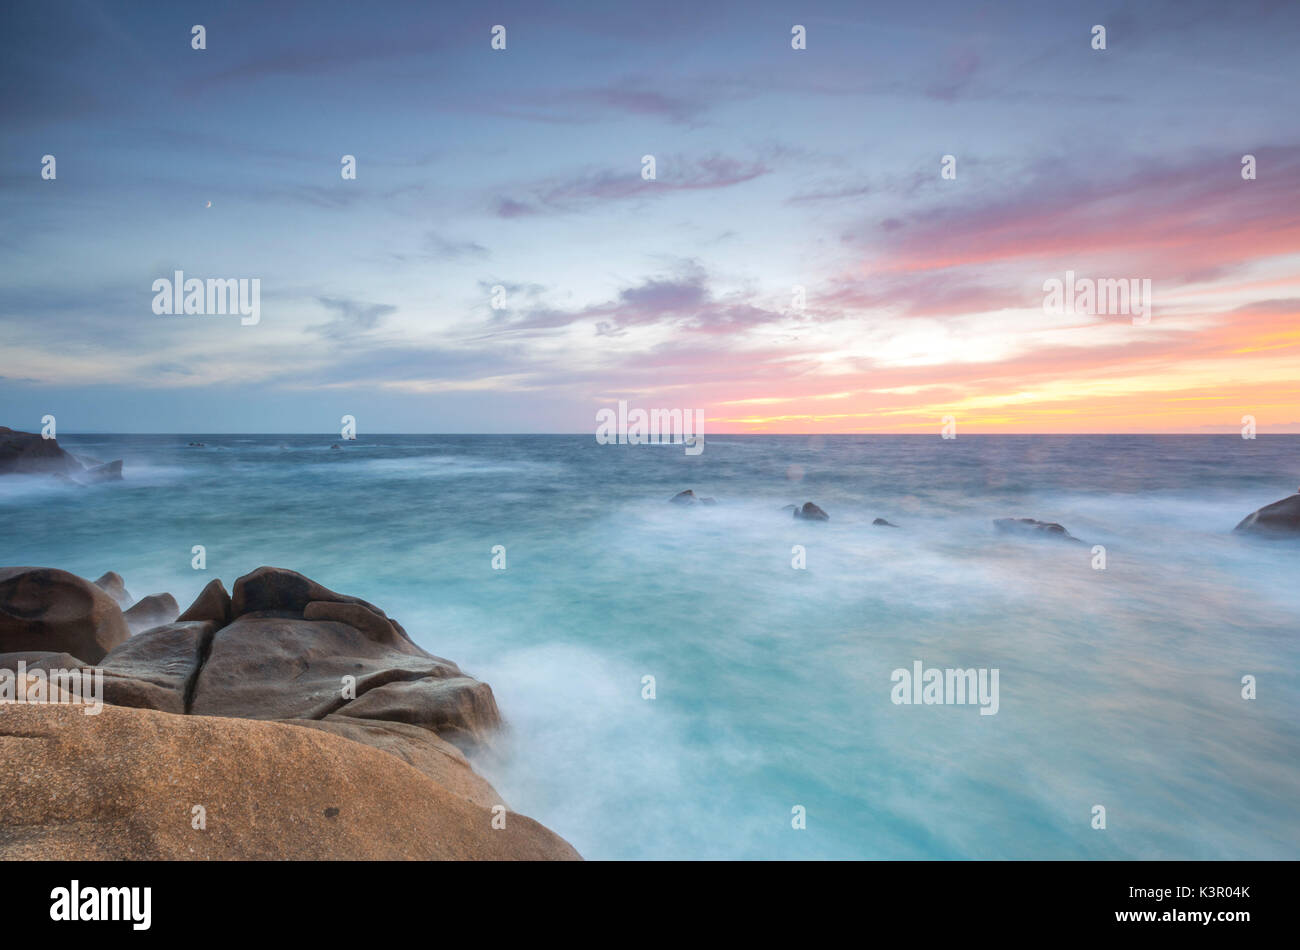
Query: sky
pixel 500 263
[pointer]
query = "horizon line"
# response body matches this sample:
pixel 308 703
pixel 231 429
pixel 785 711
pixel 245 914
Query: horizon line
pixel 337 438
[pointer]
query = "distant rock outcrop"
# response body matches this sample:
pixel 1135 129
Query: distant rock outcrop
pixel 810 512
pixel 689 497
pixel 1281 519
pixel 190 713
pixel 29 453
pixel 1030 527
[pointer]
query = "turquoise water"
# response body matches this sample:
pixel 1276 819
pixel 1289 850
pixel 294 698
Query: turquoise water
pixel 1119 687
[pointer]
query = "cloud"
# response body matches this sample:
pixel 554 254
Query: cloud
pixel 437 247
pixel 682 299
pixel 831 194
pixel 588 189
pixel 1174 221
pixel 354 317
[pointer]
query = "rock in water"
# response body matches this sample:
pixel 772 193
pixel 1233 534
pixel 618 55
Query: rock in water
pixel 108 472
pixel 881 522
pixel 152 611
pixel 27 453
pixel 122 786
pixel 292 643
pixel 1030 527
pixel 113 584
pixel 45 609
pixel 810 512
pixel 364 761
pixel 683 498
pixel 1278 520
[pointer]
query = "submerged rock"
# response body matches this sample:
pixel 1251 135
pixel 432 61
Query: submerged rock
pixel 108 472
pixel 1030 527
pixel 810 512
pixel 1281 519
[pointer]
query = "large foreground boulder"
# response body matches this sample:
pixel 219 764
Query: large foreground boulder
pixel 135 784
pixel 45 609
pixel 1278 520
pixel 290 668
pixel 353 695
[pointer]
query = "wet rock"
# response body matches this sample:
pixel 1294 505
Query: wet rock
pixel 810 512
pixel 108 472
pixel 115 587
pixel 182 699
pixel 161 665
pixel 882 523
pixel 1281 519
pixel 48 610
pixel 1030 527
pixel 684 498
pixel 459 709
pixel 152 611
pixel 213 603
pixel 26 453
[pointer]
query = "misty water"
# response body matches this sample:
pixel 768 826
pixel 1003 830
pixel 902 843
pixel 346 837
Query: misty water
pixel 1119 687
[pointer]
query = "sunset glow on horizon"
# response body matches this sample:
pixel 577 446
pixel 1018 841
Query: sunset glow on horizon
pixel 798 263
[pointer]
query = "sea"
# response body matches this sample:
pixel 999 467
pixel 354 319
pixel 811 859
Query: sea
pixel 719 681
